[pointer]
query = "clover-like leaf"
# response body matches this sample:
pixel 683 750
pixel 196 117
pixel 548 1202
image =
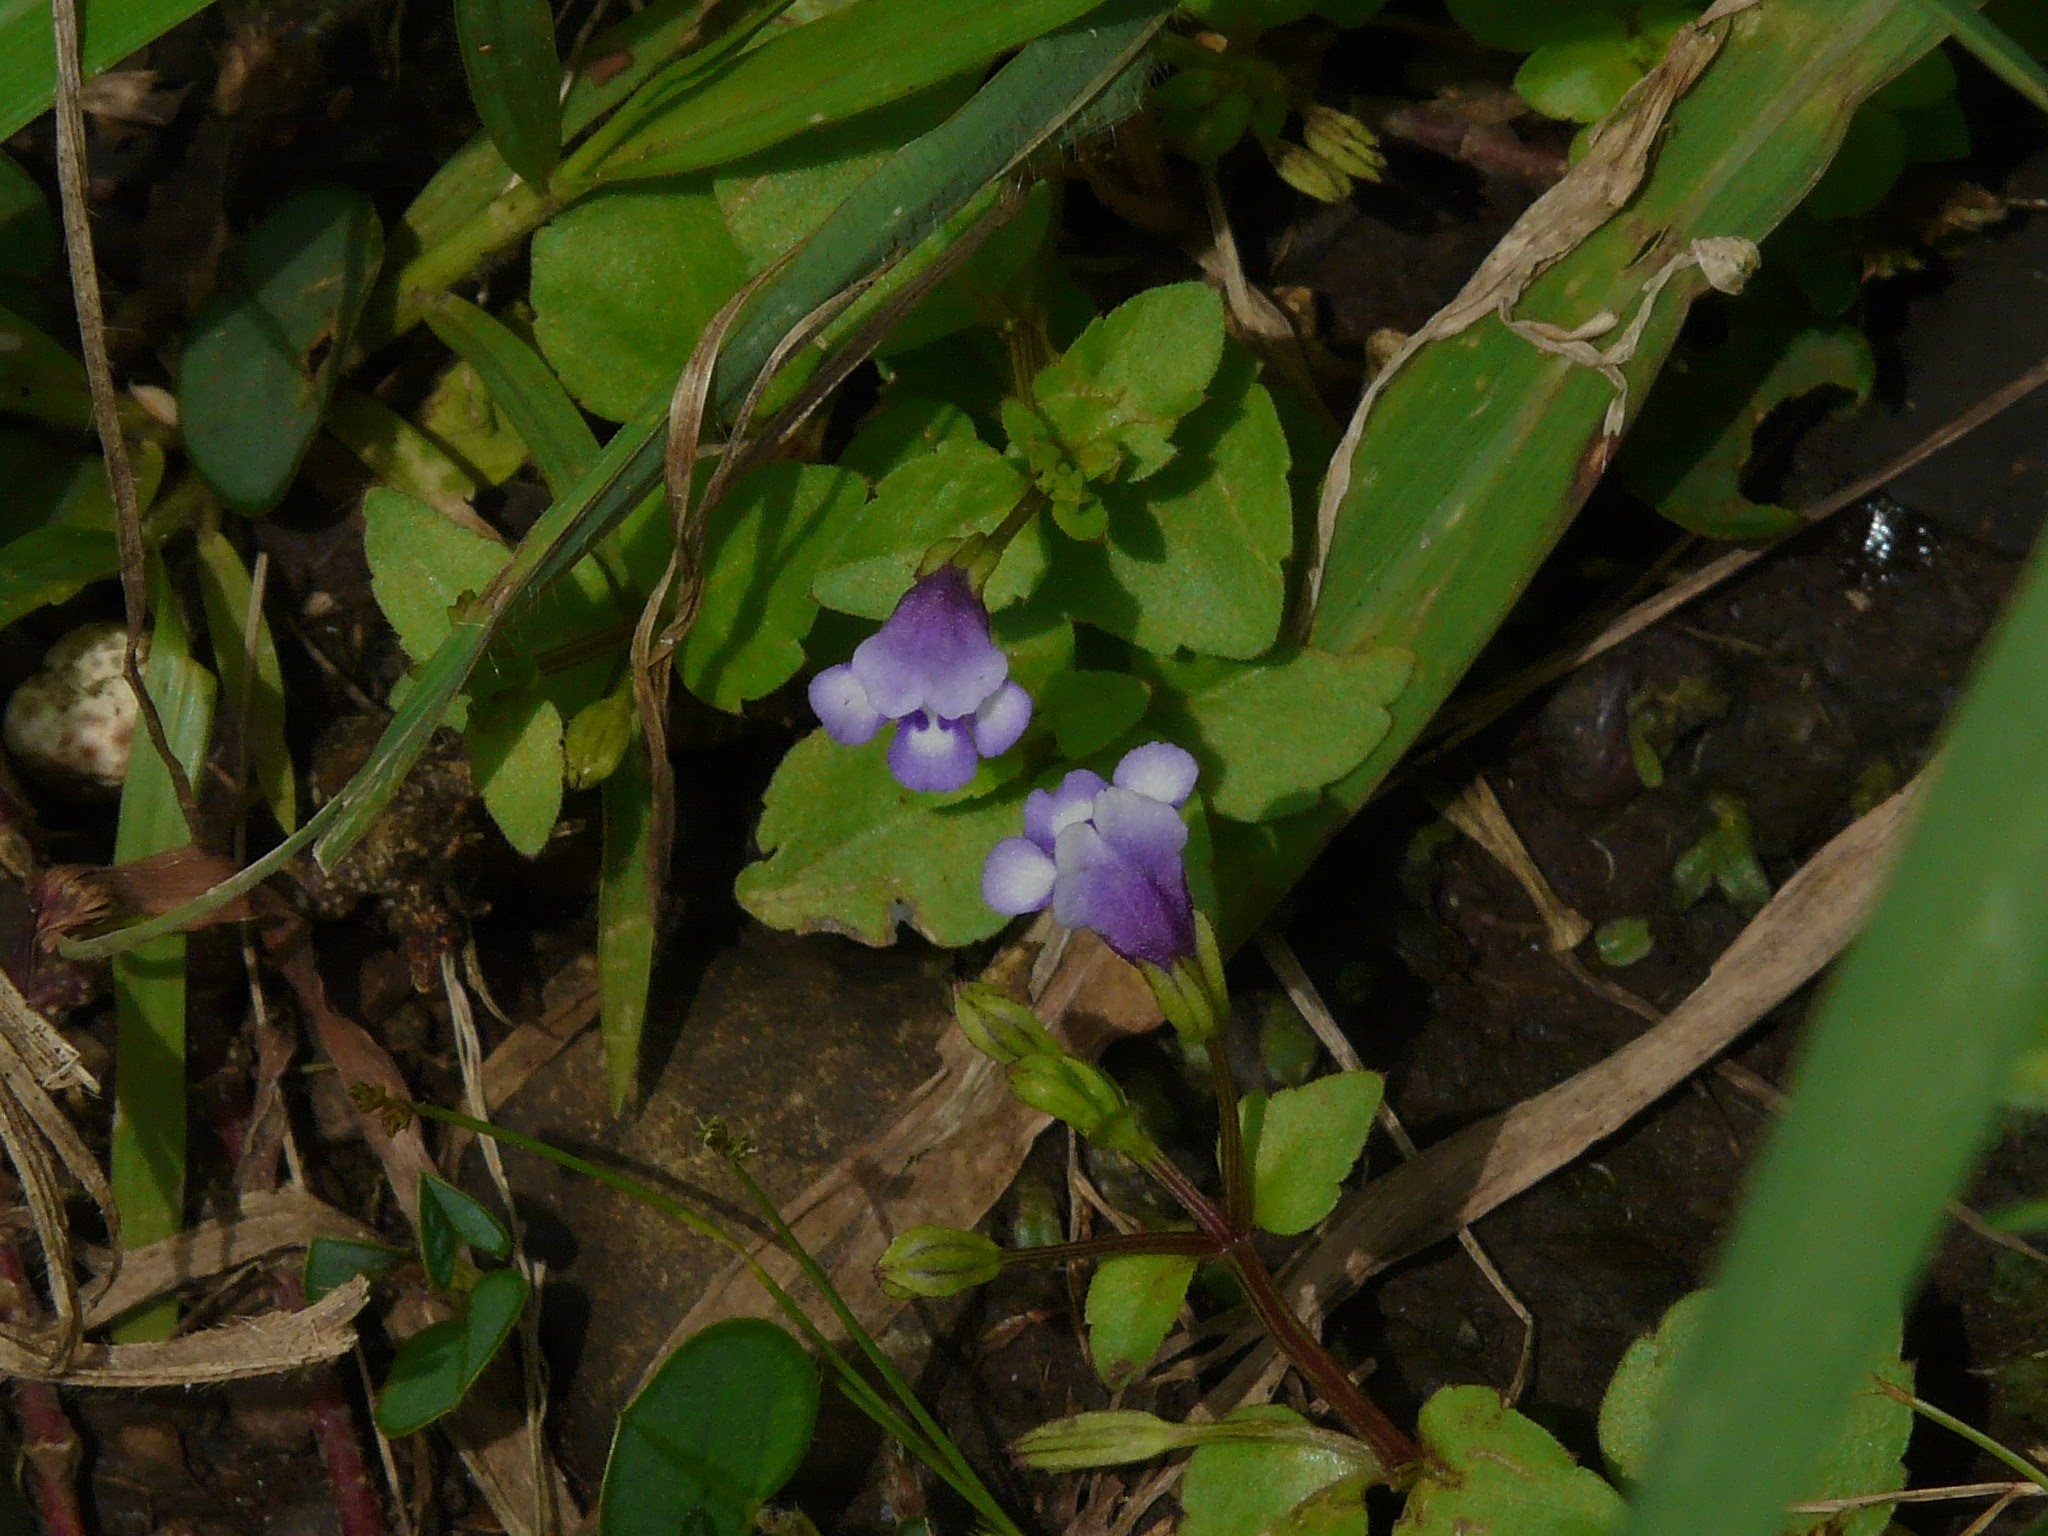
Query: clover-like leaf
pixel 762 547
pixel 265 353
pixel 1304 1141
pixel 623 283
pixel 1270 734
pixel 720 1427
pixel 1487 1468
pixel 962 487
pixel 1132 1302
pixel 448 1219
pixel 440 1363
pixel 1194 554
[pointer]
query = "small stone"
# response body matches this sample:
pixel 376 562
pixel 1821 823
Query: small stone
pixel 73 722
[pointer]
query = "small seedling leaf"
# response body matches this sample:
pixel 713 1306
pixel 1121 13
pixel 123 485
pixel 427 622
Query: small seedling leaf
pixel 1132 1302
pixel 448 1219
pixel 1304 1141
pixel 437 1365
pixel 723 1424
pixel 265 353
pixel 1487 1468
pixel 422 566
pixel 332 1262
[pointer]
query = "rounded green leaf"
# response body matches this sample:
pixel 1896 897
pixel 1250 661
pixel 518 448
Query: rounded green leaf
pixel 265 353
pixel 1242 1488
pixel 722 1426
pixel 1518 26
pixel 1132 1302
pixel 437 1365
pixel 1487 1468
pixel 1089 710
pixel 449 1218
pixel 1303 1143
pixel 1872 155
pixel 1581 78
pixel 421 566
pixel 623 283
pixel 514 741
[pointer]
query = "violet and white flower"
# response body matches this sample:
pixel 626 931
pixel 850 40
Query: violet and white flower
pixel 932 669
pixel 1107 856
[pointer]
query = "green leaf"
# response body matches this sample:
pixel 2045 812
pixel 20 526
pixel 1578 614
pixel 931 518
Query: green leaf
pixel 1304 1141
pixel 421 566
pixel 992 286
pixel 625 923
pixel 448 1219
pixel 1579 79
pixel 762 546
pixel 1194 554
pixel 331 1262
pixel 1132 1302
pixel 437 1365
pixel 1921 84
pixel 1688 454
pixel 849 850
pixel 1089 710
pixel 28 230
pixel 1243 1488
pixel 904 427
pixel 623 283
pixel 1872 155
pixel 514 741
pixel 39 378
pixel 520 385
pixel 146 1163
pixel 1519 28
pixel 225 590
pixel 110 30
pixel 862 56
pixel 461 415
pixel 1487 1468
pixel 398 453
pixel 1865 1456
pixel 1269 735
pixel 264 354
pixel 723 1424
pixel 53 565
pixel 515 78
pixel 963 487
pixel 1995 50
pixel 1132 375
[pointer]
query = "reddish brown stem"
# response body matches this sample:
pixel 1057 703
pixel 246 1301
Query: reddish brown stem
pixel 358 1510
pixel 48 1439
pixel 1195 1245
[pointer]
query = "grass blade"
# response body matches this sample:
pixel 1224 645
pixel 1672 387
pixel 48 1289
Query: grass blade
pixel 625 923
pixel 225 590
pixel 522 386
pixel 1902 1076
pixel 515 75
pixel 112 30
pixel 1995 50
pixel 147 1161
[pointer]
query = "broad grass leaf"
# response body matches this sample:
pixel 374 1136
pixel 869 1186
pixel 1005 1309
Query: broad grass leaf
pixel 422 566
pixel 1488 1469
pixel 1132 1302
pixel 437 1365
pixel 1303 1143
pixel 623 283
pixel 515 77
pixel 762 546
pixel 1270 734
pixel 1243 1488
pixel 1864 1457
pixel 110 31
pixel 963 487
pixel 849 850
pixel 265 352
pixel 625 922
pixel 514 741
pixel 1194 553
pixel 718 1430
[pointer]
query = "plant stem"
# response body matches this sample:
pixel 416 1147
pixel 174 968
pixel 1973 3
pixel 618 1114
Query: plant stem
pixel 48 1441
pixel 357 1509
pixel 1195 1245
pixel 1237 1176
pixel 1976 1437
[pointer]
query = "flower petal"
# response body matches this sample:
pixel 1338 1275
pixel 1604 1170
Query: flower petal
pixel 1148 833
pixel 1159 770
pixel 934 652
pixel 843 707
pixel 1001 720
pixel 1018 877
pixel 1048 812
pixel 932 756
pixel 1098 887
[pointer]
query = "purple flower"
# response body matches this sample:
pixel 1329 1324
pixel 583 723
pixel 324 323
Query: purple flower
pixel 933 670
pixel 1107 856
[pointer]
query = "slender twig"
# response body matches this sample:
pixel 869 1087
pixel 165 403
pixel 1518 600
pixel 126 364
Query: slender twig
pixel 1196 1245
pixel 99 376
pixel 1916 1496
pixel 49 1443
pixel 1969 1432
pixel 358 1511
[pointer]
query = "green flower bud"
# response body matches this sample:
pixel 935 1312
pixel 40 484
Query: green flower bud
pixel 938 1261
pixel 596 741
pixel 1112 1438
pixel 1344 142
pixel 1193 995
pixel 1086 1098
pixel 1307 172
pixel 999 1026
